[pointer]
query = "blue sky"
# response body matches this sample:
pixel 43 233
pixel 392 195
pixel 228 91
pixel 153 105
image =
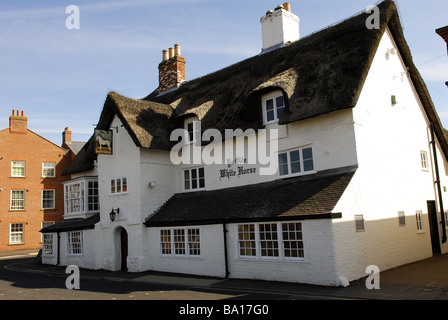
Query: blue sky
pixel 61 77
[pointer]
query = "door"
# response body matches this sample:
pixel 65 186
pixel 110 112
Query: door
pixel 434 227
pixel 124 249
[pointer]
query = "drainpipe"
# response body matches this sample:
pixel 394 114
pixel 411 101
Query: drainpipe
pixel 224 231
pixel 439 190
pixel 58 251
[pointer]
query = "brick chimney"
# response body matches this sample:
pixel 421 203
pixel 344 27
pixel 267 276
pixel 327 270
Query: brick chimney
pixel 279 27
pixel 171 69
pixel 66 136
pixel 18 123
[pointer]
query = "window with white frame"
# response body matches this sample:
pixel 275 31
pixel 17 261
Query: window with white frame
pixel 92 194
pixel 419 220
pixel 16 235
pixel 359 222
pixel 74 242
pixel 184 242
pixel 296 162
pixel 47 244
pixel 273 106
pixel 119 186
pixel 292 240
pixel 74 197
pixel 279 240
pixel 48 197
pixel 246 240
pixel 424 160
pixel 192 129
pixel 194 179
pixel 268 239
pixel 17 200
pixel 401 219
pixel 48 169
pixel 81 196
pixel 18 169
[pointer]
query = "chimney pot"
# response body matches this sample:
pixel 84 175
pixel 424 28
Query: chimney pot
pixel 287 6
pixel 18 123
pixel 171 51
pixel 177 50
pixel 164 55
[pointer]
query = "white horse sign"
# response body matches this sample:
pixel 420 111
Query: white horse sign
pixel 103 141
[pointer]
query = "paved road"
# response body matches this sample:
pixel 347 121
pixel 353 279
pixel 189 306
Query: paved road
pixel 22 285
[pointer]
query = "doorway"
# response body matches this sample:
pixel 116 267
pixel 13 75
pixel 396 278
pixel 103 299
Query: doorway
pixel 123 249
pixel 434 227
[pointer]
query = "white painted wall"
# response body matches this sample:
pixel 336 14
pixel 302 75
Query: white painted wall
pixel 331 137
pixel 390 177
pixel 210 263
pixel 317 268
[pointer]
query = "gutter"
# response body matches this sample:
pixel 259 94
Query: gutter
pixel 224 231
pixel 437 182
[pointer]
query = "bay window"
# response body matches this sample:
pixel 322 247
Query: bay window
pixel 81 196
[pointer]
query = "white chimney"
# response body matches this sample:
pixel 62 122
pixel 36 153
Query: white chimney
pixel 279 27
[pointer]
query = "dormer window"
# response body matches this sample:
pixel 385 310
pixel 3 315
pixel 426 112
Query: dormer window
pixel 192 127
pixel 273 106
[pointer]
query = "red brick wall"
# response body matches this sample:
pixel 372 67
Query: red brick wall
pixel 25 145
pixel 171 73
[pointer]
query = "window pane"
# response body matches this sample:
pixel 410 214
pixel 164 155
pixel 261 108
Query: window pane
pixel 201 178
pixel 48 169
pixel 268 240
pixel 308 163
pixel 47 199
pixel 165 241
pixel 194 179
pixel 118 185
pixel 295 161
pixel 17 200
pixel 292 240
pixel 18 168
pixel 270 116
pixel 280 106
pixel 124 184
pixel 194 242
pixel 112 186
pixel 187 179
pixel 179 241
pixel 283 164
pixel 246 240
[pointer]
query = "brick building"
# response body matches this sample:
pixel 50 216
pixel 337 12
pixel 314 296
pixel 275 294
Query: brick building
pixel 31 194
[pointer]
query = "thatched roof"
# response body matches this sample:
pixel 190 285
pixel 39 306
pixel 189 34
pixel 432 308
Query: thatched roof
pixel 318 74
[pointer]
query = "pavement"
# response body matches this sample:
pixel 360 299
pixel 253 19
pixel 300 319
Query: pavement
pixel 422 280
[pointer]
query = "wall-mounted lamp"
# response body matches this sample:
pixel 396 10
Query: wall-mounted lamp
pixel 113 214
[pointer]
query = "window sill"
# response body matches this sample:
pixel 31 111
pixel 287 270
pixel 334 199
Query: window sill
pixel 268 259
pixel 286 176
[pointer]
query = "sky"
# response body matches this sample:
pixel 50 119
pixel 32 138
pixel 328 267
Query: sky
pixel 60 77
